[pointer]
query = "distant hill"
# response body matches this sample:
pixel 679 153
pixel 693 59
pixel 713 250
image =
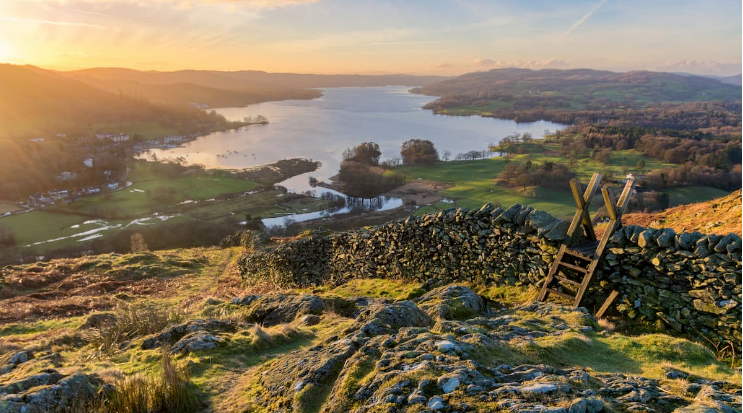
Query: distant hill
pixel 223 89
pixel 733 80
pixel 718 216
pixel 35 101
pixel 577 95
pixel 631 87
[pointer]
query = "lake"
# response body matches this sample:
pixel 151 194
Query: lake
pixel 322 128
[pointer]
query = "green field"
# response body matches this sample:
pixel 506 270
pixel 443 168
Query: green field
pixel 138 199
pixel 475 182
pixel 63 226
pixel 474 185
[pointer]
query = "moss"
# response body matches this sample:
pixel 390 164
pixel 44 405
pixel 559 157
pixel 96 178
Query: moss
pixel 361 372
pixel 508 296
pixel 373 288
pixel 643 355
pixel 339 305
pixel 313 396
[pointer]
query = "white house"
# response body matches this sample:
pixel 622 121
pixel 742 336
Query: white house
pixel 66 176
pixel 36 140
pixel 117 137
pixel 171 139
pixel 88 162
pixel 113 186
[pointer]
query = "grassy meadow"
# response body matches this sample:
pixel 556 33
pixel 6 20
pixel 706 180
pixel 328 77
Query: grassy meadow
pixel 474 182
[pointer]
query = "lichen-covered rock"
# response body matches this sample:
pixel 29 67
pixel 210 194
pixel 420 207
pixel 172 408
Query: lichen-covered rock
pixel 48 391
pixel 279 308
pixel 393 359
pixel 387 318
pixel 451 302
pixel 191 336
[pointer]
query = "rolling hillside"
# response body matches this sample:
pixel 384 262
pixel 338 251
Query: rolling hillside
pixel 586 96
pixel 38 102
pixel 636 87
pixel 718 216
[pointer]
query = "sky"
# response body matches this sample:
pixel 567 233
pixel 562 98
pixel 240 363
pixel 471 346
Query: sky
pixel 438 37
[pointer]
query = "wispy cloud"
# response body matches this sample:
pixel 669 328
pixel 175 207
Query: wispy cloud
pixel 49 22
pixel 91 13
pixel 528 64
pixel 583 19
pixel 705 67
pixel 262 4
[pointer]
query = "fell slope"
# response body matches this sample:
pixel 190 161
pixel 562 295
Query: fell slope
pixel 718 216
pixel 36 102
pixel 369 345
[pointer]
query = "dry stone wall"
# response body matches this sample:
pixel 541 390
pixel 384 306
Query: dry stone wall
pixel 688 282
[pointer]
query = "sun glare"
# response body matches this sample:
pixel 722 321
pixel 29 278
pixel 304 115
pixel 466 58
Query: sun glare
pixel 6 53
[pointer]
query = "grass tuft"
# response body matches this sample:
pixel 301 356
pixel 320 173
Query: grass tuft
pixel 131 321
pixel 169 391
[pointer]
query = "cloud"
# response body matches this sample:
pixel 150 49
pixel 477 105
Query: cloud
pixel 262 4
pixel 484 62
pixel 444 65
pixel 50 22
pixel 582 19
pixel 527 64
pixel 92 13
pixel 702 67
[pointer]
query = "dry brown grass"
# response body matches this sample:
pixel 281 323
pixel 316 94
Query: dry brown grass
pixel 718 216
pixel 607 325
pixel 132 320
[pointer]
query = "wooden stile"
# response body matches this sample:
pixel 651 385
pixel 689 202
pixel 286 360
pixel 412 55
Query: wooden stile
pixel 584 259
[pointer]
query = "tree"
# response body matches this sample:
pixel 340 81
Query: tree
pixel 418 151
pixel 137 243
pixel 641 165
pixel 446 155
pixel 367 153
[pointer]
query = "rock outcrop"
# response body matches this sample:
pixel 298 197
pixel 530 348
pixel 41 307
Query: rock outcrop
pixel 397 358
pixel 48 391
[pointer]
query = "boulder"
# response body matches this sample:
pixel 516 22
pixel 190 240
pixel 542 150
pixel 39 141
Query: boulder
pixel 451 302
pixel 279 308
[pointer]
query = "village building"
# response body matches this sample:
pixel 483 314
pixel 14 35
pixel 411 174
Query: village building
pixel 66 176
pixel 116 137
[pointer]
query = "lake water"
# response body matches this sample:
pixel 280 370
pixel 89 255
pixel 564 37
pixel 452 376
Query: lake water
pixel 322 128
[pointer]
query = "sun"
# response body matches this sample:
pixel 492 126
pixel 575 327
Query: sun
pixel 6 52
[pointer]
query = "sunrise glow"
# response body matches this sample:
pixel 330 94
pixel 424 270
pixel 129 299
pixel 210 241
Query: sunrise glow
pixel 333 36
